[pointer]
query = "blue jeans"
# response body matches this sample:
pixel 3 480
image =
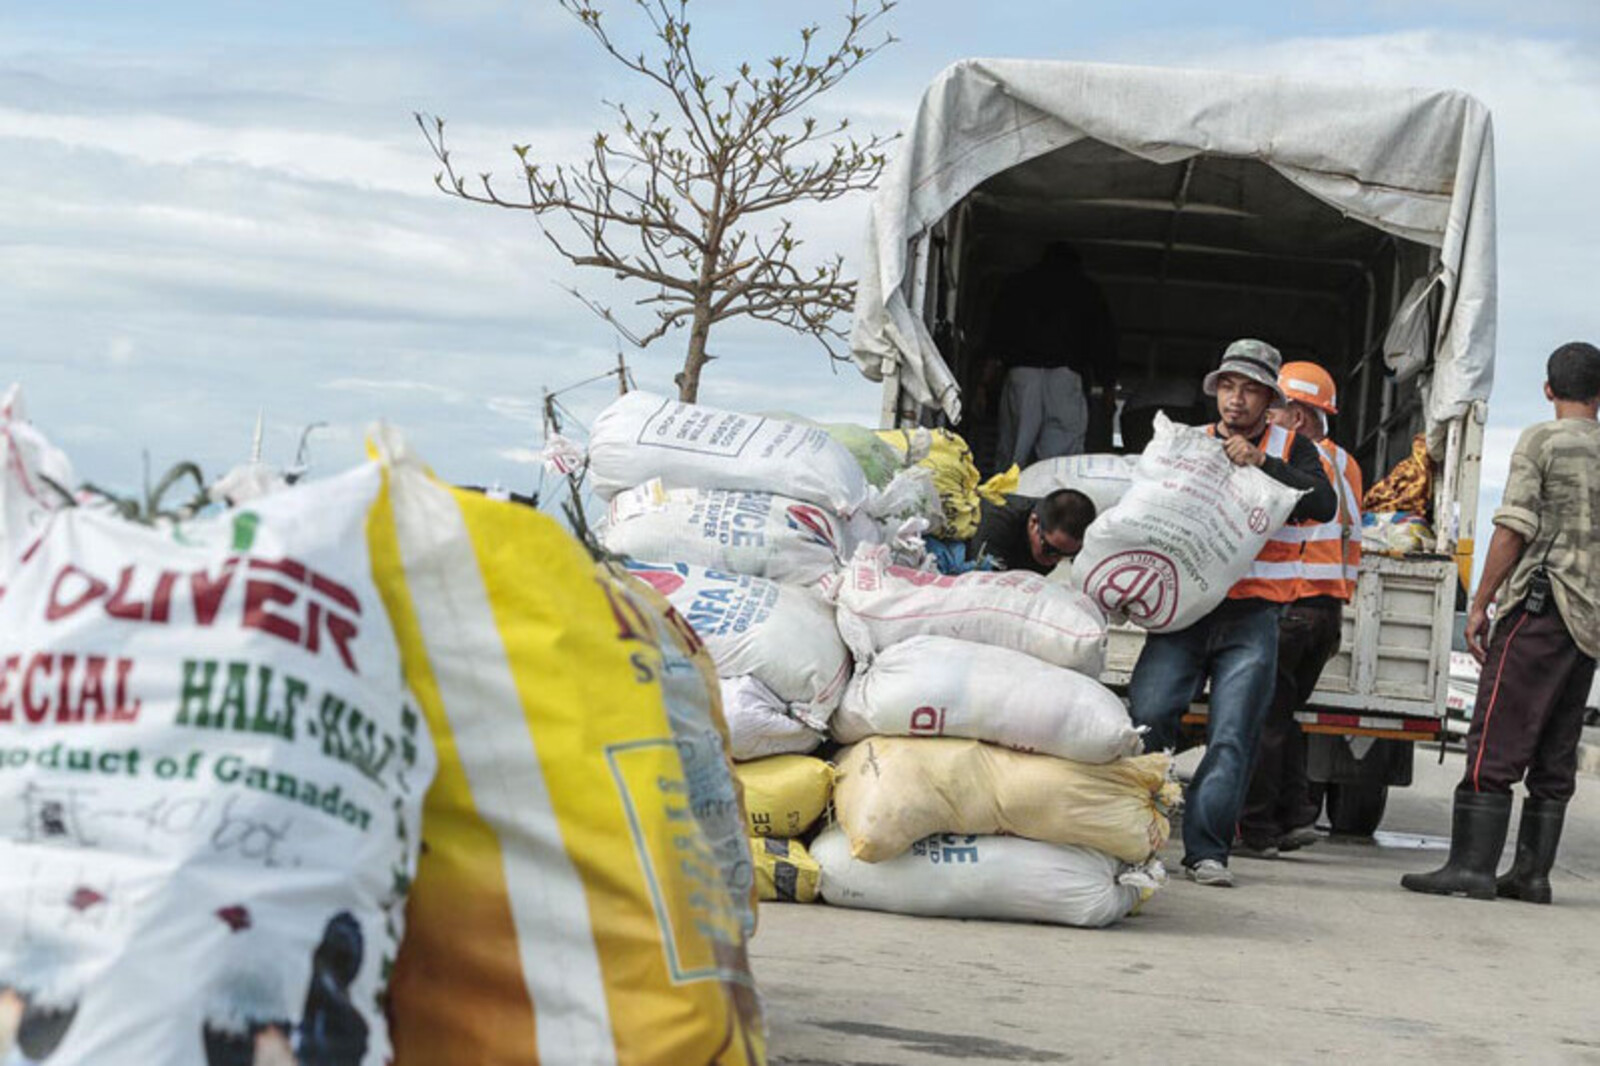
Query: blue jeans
pixel 1236 646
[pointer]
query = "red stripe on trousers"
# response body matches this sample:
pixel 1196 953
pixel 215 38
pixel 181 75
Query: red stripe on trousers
pixel 1488 715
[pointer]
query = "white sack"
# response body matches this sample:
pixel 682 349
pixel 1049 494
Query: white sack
pixel 1102 478
pixel 1183 535
pixel 26 459
pixel 758 724
pixel 952 875
pixel 784 637
pixel 688 446
pixel 210 802
pixel 881 604
pixel 936 686
pixel 755 533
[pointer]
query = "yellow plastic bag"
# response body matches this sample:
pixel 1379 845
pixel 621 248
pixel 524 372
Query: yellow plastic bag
pixel 784 795
pixel 997 488
pixel 568 907
pixel 955 476
pixel 893 791
pixel 785 871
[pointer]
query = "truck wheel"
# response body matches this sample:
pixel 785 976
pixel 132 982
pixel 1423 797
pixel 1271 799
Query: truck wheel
pixel 1356 809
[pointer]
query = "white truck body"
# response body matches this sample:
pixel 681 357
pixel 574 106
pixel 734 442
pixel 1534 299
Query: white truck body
pixel 1349 225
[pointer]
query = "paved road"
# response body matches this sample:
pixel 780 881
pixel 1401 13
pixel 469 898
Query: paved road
pixel 1315 957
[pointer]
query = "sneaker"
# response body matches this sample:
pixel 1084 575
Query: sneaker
pixel 1302 837
pixel 1210 872
pixel 1248 850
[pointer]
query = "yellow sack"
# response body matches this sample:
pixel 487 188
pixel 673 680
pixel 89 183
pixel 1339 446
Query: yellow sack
pixel 568 907
pixel 784 795
pixel 893 791
pixel 997 488
pixel 955 475
pixel 785 871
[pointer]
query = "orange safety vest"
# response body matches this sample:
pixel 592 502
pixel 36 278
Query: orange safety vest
pixel 1275 574
pixel 1331 556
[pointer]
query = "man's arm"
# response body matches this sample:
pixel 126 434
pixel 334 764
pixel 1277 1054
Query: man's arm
pixel 1516 522
pixel 1505 551
pixel 1304 471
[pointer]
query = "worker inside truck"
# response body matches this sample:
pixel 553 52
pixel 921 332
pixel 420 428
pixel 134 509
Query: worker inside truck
pixel 1028 533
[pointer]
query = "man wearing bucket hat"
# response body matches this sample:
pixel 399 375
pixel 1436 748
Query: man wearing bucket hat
pixel 1277 813
pixel 1236 645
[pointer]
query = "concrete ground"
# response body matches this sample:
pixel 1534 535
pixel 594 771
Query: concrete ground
pixel 1317 956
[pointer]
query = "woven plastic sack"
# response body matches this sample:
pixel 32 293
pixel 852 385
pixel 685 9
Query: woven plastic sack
pixel 568 907
pixel 756 533
pixel 785 871
pixel 1188 529
pixel 758 724
pixel 936 686
pixel 784 795
pixel 689 446
pixel 880 605
pixel 783 636
pixel 893 791
pixel 952 875
pixel 210 801
pixel 880 461
pixel 1105 479
pixel 955 475
pixel 27 459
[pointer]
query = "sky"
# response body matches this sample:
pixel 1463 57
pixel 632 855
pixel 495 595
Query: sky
pixel 213 210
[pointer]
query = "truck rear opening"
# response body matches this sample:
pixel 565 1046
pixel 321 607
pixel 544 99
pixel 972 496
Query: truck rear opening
pixel 1347 226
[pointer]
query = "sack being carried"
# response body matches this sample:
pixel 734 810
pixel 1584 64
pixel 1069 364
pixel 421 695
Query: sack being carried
pixel 881 605
pixel 1105 479
pixel 953 875
pixel 756 533
pixel 936 686
pixel 212 786
pixel 688 446
pixel 784 637
pixel 1187 530
pixel 892 791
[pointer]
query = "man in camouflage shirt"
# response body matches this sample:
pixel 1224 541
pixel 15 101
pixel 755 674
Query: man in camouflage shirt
pixel 1541 656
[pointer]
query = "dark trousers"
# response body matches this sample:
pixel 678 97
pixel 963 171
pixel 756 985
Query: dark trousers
pixel 1529 715
pixel 1278 801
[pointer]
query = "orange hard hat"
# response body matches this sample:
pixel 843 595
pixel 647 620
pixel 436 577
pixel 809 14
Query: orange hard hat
pixel 1309 384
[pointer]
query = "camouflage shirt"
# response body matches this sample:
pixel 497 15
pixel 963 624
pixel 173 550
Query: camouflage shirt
pixel 1552 499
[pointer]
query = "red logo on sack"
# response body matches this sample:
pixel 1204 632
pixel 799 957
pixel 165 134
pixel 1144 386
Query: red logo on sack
pixel 664 579
pixel 1258 520
pixel 1142 584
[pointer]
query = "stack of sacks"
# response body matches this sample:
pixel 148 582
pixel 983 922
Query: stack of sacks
pixel 925 827
pixel 735 518
pixel 784 797
pixel 1007 661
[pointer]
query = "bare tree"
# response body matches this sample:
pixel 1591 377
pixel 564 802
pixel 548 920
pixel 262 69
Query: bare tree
pixel 675 201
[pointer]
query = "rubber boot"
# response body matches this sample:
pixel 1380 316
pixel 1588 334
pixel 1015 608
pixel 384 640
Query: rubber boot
pixel 1538 836
pixel 1477 836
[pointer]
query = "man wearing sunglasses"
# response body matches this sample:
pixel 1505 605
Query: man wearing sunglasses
pixel 1027 533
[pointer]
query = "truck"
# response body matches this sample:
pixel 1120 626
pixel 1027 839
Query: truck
pixel 1349 225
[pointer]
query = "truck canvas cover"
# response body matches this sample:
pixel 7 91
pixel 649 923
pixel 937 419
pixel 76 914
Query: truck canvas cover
pixel 1418 164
